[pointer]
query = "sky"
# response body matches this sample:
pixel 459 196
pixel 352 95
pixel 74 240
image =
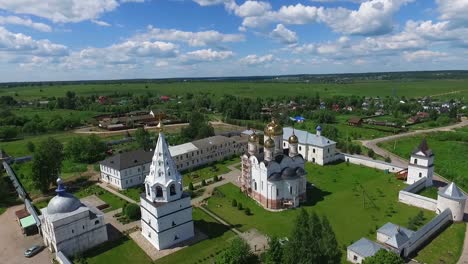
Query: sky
pixel 51 40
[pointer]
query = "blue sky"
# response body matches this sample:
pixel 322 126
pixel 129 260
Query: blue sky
pixel 111 39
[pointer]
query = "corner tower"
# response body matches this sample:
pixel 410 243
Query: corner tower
pixel 421 164
pixel 166 211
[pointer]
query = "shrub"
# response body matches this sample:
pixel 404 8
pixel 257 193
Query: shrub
pixel 234 203
pixel 239 206
pixel 388 159
pixel 247 211
pixel 215 178
pixel 132 211
pixel 371 153
pixel 203 182
pixel 190 186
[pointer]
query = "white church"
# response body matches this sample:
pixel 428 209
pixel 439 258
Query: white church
pixel 275 178
pixel 70 226
pixel 166 211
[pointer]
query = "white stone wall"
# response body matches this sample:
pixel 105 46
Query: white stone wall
pixel 368 162
pixel 417 200
pixel 163 224
pixel 353 257
pixel 457 207
pixel 381 237
pixel 126 178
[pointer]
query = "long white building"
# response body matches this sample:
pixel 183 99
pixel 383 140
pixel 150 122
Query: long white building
pixel 71 226
pixel 166 211
pixel 128 169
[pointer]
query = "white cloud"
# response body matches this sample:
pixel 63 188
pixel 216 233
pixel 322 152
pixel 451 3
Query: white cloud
pixel 27 22
pixel 423 55
pixel 284 35
pixel 204 55
pixel 101 23
pixel 196 39
pixel 454 10
pixel 210 2
pixel 253 59
pixel 252 8
pixel 61 11
pixel 19 44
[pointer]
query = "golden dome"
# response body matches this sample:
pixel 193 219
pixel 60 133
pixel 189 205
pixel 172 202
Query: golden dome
pixel 273 128
pixel 253 137
pixel 269 143
pixel 293 139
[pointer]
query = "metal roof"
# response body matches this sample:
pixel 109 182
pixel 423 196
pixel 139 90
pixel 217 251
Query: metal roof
pixel 27 221
pixel 307 137
pixel 390 229
pixel 211 141
pixel 423 148
pixel 365 247
pixel 127 160
pixel 182 149
pixel 451 191
pixel 398 240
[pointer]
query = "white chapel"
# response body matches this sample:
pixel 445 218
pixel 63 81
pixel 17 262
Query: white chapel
pixel 166 211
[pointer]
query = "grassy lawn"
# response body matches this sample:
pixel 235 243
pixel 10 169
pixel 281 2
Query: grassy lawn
pixel 209 171
pixel 47 114
pixel 203 251
pixel 122 251
pixel 430 192
pixel 445 248
pixel 450 156
pixel 113 201
pixel 134 192
pixel 338 195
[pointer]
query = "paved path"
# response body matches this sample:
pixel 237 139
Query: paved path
pixel 13 243
pixel 113 191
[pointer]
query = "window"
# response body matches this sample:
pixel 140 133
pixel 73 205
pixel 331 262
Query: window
pixel 355 258
pixel 262 185
pixel 176 237
pixel 73 231
pixel 328 150
pixel 173 223
pixel 149 221
pixel 415 161
pixel 420 175
pixel 147 190
pixel 300 148
pixel 83 227
pixel 96 222
pixel 172 189
pixel 159 192
pixel 277 192
pixel 255 185
pixel 149 234
pixel 313 150
pixel 290 189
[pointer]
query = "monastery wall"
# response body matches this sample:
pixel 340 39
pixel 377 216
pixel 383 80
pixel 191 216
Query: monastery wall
pixel 368 162
pixel 417 200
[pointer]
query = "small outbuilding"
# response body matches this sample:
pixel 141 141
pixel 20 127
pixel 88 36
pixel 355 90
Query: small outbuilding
pixel 355 121
pixel 362 249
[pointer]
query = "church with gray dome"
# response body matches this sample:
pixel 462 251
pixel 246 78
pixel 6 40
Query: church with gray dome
pixel 70 226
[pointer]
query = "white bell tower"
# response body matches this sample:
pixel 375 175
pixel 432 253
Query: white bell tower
pixel 166 211
pixel 421 164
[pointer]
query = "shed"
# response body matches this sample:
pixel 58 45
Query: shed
pixel 355 121
pixel 28 225
pixel 362 249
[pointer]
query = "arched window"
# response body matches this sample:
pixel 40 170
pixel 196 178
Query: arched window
pixel 255 185
pixel 172 189
pixel 420 175
pixel 415 161
pixel 159 192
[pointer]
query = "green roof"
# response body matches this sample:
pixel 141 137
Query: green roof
pixel 27 221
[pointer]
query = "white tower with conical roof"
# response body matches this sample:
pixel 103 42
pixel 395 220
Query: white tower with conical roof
pixel 166 211
pixel 421 164
pixel 451 197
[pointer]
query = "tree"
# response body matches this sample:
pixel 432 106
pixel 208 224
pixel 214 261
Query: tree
pixel 143 139
pixel 30 146
pixel 274 254
pixel 247 211
pixel 330 249
pixel 132 211
pixel 203 182
pixel 330 131
pixel 384 257
pixel 88 150
pixel 294 252
pixel 238 252
pixel 371 153
pixel 190 186
pixel 47 163
pixel 239 206
pixel 8 132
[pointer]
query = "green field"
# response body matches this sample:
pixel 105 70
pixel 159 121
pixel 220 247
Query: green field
pixel 450 155
pixel 121 251
pixel 208 172
pixel 253 89
pixel 445 248
pixel 204 251
pixel 46 114
pixel 337 195
pixel 134 192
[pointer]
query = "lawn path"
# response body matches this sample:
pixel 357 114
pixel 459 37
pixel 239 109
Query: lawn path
pixel 399 161
pixel 114 192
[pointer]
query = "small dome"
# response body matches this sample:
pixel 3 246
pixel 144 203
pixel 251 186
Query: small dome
pixel 273 129
pixel 63 203
pixel 253 137
pixel 269 143
pixel 293 139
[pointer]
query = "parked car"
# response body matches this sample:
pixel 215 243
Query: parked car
pixel 32 251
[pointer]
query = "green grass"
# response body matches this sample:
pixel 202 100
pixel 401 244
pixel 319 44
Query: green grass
pixel 445 248
pixel 134 192
pixel 430 192
pixel 252 89
pixel 450 156
pixel 46 114
pixel 113 201
pixel 203 251
pixel 209 171
pixel 122 251
pixel 337 195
